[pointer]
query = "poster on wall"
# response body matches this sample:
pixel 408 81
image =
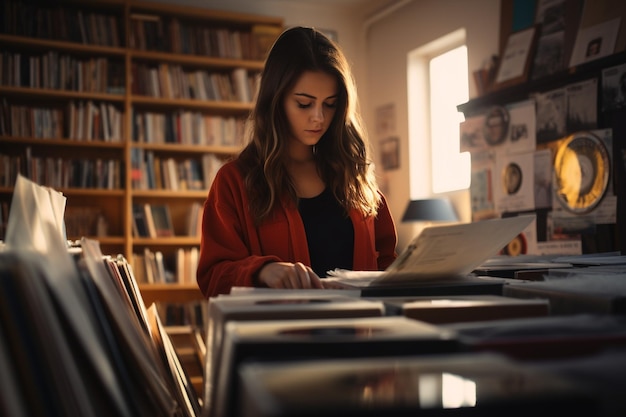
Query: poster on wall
pixel 510 129
pixel 614 87
pixel 582 185
pixel 513 182
pixel 549 57
pixel 471 134
pixel 517 58
pixel 582 105
pixel 551 115
pixel 543 178
pixel 481 186
pixel 595 42
pixel 522 127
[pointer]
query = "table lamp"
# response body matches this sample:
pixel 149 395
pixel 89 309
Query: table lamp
pixel 430 210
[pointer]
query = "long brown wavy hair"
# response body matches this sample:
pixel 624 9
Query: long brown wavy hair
pixel 342 153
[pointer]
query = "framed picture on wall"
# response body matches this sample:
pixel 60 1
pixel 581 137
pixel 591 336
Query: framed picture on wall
pixel 390 153
pixel 517 58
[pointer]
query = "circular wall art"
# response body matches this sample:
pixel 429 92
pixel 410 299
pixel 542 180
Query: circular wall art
pixel 512 178
pixel 517 246
pixel 581 172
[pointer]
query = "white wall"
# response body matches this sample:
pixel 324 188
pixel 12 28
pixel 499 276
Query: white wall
pixel 376 39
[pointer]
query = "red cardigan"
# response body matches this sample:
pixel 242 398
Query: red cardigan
pixel 233 249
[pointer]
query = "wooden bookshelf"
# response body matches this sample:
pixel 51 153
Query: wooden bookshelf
pixel 132 82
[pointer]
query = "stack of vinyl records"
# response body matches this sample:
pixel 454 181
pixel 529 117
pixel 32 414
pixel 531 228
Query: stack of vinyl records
pixel 273 305
pixel 432 385
pixel 289 340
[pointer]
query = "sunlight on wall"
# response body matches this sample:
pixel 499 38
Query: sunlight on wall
pixel 448 88
pixel 437 79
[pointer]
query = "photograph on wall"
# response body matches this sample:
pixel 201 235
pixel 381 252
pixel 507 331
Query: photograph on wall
pixel 522 127
pixel 481 186
pixel 595 42
pixel 549 57
pixel 517 58
pixel 543 178
pixel 390 153
pixel 510 129
pixel 471 134
pixel 386 120
pixel 551 110
pixel 513 182
pixel 614 88
pixel 582 105
pixel 496 126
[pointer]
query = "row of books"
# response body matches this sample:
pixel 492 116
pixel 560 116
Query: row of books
pixel 152 267
pixel 151 172
pixel 85 221
pixel 155 220
pixel 152 220
pixel 189 128
pixel 62 172
pixel 78 120
pixel 54 21
pixel 155 33
pixel 60 71
pixel 175 82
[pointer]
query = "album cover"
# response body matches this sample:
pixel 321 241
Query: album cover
pixel 274 306
pixel 579 204
pixel 558 335
pixel 472 137
pixel 614 87
pixel 577 294
pixel 296 340
pixel 551 109
pixel 481 186
pixel 439 385
pixel 513 182
pixel 463 308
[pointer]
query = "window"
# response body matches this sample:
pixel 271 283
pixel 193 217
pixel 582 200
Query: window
pixel 438 82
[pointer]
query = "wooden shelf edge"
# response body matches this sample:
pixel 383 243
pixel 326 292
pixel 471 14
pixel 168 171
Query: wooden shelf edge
pixel 170 293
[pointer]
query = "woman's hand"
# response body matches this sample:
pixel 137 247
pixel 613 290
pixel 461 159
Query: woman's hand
pixel 289 276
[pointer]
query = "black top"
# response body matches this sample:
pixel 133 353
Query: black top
pixel 329 232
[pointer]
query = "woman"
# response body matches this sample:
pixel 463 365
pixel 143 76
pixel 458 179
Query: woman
pixel 301 198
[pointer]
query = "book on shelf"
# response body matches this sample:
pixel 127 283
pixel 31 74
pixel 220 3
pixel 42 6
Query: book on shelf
pixel 186 265
pixel 194 219
pixel 162 219
pixel 147 209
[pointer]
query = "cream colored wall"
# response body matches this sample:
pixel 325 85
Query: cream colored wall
pixel 376 39
pixel 388 42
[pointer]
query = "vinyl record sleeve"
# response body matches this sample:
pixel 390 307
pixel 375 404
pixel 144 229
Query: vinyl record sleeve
pixel 289 340
pixel 455 309
pixel 581 172
pixel 557 336
pixel 273 306
pixel 436 385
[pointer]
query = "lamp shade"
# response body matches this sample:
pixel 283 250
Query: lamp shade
pixel 429 210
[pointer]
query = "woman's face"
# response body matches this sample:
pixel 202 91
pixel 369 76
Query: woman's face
pixel 310 106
